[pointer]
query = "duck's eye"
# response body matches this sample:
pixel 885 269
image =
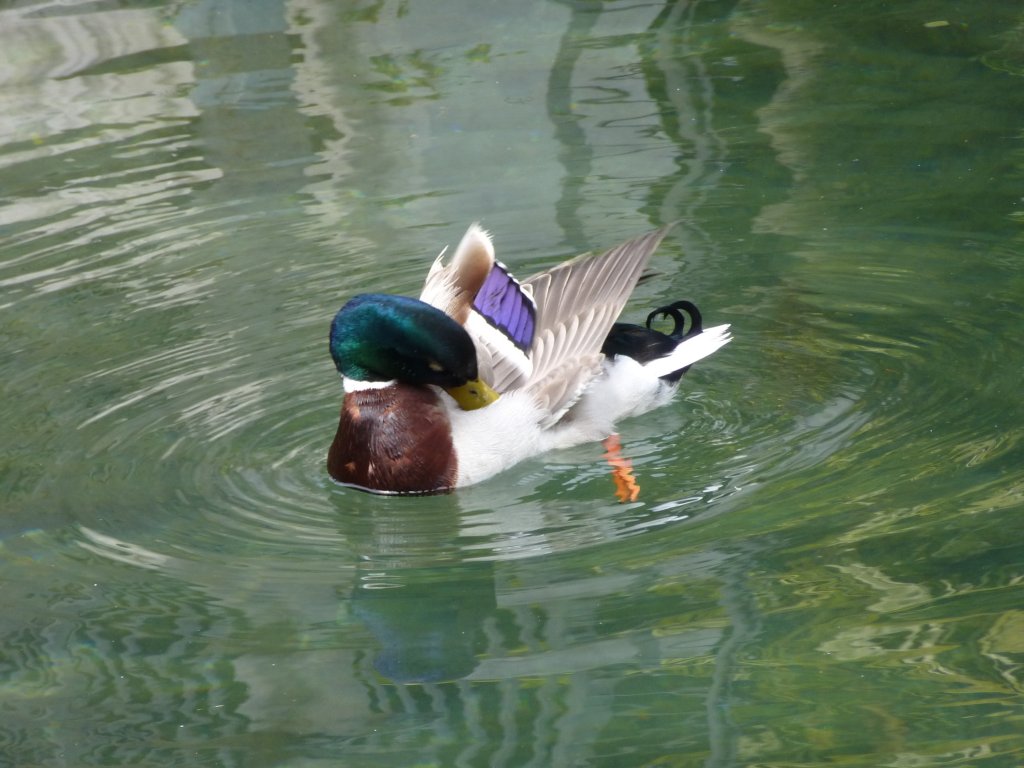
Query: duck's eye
pixel 435 366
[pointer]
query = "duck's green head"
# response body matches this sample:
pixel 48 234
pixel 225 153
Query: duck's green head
pixel 378 337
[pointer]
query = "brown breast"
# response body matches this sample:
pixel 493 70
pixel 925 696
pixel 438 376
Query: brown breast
pixel 396 439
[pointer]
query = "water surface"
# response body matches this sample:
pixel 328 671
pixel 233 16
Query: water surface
pixel 825 562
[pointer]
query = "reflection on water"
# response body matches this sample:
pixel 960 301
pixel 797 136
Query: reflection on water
pixel 821 565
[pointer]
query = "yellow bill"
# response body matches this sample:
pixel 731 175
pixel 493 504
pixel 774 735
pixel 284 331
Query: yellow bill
pixel 473 394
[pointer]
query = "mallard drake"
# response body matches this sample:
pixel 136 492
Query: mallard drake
pixel 483 371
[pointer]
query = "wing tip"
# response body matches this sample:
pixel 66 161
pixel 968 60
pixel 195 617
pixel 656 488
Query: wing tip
pixel 476 237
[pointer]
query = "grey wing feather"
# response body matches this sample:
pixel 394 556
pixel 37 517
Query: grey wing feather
pixel 577 303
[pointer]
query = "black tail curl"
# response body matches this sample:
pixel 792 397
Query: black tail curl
pixel 644 343
pixel 672 310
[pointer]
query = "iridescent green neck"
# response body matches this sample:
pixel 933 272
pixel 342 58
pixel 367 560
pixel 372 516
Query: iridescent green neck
pixel 380 337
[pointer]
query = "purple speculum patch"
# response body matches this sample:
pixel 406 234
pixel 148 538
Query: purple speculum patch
pixel 504 304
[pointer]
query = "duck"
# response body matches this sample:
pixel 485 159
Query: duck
pixel 483 371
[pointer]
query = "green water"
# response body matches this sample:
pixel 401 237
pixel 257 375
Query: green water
pixel 826 561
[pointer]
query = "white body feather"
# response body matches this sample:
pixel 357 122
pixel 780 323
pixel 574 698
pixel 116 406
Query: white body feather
pixel 625 388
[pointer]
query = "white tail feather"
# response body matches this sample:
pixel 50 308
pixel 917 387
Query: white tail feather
pixel 690 351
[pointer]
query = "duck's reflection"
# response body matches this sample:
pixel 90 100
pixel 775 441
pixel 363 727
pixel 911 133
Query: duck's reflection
pixel 428 622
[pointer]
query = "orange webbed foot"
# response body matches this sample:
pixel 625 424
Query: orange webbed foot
pixel 626 486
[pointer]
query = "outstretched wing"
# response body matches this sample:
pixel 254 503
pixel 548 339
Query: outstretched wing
pixel 544 334
pixel 577 303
